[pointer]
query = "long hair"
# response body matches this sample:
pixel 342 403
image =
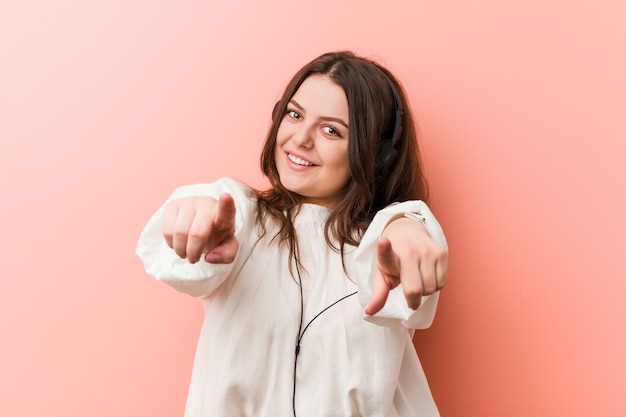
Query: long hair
pixel 372 114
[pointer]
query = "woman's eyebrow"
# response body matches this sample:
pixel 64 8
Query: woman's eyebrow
pixel 334 119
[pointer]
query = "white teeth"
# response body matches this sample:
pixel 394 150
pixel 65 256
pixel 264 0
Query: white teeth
pixel 299 161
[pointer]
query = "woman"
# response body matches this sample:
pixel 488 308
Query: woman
pixel 312 289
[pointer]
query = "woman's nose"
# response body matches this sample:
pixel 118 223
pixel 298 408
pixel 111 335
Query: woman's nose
pixel 303 136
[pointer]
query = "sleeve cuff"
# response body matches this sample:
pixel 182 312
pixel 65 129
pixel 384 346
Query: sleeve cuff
pixel 396 311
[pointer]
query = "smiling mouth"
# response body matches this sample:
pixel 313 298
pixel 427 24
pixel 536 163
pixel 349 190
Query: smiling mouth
pixel 299 161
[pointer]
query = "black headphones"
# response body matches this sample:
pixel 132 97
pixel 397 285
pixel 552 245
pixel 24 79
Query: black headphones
pixel 389 148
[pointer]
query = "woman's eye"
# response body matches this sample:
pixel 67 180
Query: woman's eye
pixel 294 114
pixel 329 130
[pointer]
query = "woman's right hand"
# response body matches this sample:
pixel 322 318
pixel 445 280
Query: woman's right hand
pixel 202 226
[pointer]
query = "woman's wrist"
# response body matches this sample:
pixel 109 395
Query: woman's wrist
pixel 406 220
pixel 416 217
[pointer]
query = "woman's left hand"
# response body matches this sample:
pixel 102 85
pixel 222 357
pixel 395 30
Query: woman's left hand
pixel 407 256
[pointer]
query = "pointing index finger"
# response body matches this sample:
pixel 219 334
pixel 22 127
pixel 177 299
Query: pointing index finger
pixel 386 277
pixel 226 211
pixel 388 261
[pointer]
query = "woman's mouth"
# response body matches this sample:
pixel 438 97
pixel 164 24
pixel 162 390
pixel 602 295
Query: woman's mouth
pixel 299 161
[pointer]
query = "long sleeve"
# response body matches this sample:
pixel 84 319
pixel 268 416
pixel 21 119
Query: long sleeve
pixel 200 279
pixel 395 310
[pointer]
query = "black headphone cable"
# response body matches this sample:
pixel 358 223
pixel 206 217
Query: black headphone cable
pixel 300 330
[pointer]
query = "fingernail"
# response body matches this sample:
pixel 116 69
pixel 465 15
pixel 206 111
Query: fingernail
pixel 212 258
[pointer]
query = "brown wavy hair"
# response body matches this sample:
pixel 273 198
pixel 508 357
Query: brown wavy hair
pixel 372 116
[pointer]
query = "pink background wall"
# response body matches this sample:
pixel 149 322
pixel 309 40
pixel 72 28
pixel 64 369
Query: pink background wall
pixel 105 107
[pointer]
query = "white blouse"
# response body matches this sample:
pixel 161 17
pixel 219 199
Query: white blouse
pixel 349 364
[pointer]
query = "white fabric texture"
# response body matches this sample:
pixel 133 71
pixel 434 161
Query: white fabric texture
pixel 349 364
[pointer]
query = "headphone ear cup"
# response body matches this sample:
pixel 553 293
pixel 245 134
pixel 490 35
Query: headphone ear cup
pixel 389 148
pixel 386 157
pixel 385 152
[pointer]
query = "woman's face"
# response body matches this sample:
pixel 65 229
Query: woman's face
pixel 311 151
